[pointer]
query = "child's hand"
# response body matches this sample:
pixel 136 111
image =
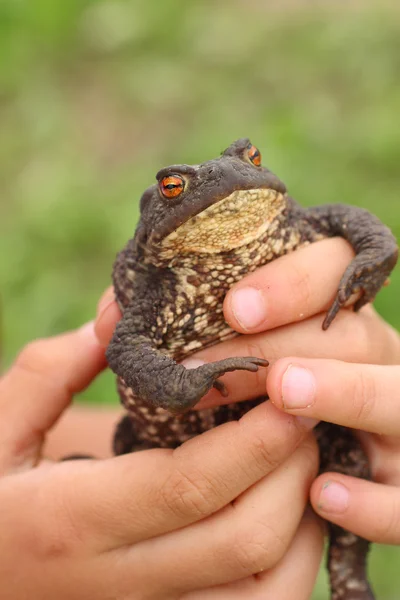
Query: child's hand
pixel 202 521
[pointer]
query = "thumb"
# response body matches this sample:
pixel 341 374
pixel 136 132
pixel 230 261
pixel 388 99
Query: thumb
pixel 37 389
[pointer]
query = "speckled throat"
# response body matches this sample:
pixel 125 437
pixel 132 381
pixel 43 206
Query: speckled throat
pixel 234 221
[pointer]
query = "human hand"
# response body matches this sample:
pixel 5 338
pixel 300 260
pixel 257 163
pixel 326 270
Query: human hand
pixel 196 522
pixel 295 292
pixel 286 301
pixel 363 397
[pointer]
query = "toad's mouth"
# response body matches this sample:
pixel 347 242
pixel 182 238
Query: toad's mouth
pixel 234 221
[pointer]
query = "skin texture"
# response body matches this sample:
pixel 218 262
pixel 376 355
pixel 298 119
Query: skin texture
pixel 229 217
pixel 94 542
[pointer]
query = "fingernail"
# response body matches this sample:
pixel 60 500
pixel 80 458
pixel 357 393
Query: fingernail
pixel 248 306
pixel 298 388
pixel 334 497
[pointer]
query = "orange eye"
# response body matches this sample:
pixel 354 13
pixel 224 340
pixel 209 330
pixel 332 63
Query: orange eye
pixel 254 155
pixel 171 186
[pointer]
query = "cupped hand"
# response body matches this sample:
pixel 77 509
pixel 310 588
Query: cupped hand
pixel 363 397
pixel 280 308
pixel 360 389
pixel 219 517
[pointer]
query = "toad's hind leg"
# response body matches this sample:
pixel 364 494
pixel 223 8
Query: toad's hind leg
pixel 347 554
pixel 347 565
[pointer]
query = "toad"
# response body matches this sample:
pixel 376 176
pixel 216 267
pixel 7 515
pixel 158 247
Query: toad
pixel 202 228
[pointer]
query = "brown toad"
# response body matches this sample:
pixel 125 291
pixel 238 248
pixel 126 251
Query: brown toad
pixel 202 228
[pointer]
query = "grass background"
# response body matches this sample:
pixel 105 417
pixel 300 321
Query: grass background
pixel 96 96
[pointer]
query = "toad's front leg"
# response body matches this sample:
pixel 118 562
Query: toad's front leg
pixel 156 378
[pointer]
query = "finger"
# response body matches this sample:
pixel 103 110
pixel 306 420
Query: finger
pixel 370 510
pixel 149 493
pixel 363 397
pixel 244 538
pixel 108 315
pixel 299 566
pixel 354 338
pixel 288 289
pixel 38 388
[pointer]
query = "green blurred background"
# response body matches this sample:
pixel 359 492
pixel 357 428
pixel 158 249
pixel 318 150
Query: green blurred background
pixel 96 96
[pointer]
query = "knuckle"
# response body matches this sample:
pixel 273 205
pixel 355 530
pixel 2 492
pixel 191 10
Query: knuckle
pixel 36 362
pixel 55 536
pixel 265 455
pixel 363 394
pixel 254 347
pixel 192 497
pixel 32 355
pixel 257 548
pixel 300 282
pixel 258 347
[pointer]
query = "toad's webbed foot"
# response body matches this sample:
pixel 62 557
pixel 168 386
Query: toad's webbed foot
pixel 183 388
pixel 375 247
pixel 363 278
pixel 246 364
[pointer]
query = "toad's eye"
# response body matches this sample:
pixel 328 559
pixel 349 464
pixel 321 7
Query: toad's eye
pixel 254 155
pixel 171 186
